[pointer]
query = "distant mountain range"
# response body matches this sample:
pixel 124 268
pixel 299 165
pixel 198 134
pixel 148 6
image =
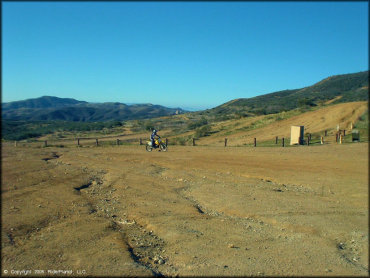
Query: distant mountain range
pixel 334 89
pixel 48 108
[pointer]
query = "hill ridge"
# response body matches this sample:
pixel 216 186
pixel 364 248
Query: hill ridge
pixel 49 108
pixel 337 89
pixel 352 87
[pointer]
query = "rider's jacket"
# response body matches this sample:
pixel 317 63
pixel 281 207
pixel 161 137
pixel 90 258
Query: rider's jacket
pixel 153 135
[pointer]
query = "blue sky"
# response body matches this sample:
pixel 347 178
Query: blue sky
pixel 178 54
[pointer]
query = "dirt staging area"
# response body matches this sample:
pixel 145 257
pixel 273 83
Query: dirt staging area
pixel 106 211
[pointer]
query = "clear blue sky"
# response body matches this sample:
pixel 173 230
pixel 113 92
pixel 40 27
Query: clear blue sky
pixel 177 54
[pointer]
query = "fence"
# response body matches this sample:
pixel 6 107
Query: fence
pixel 318 139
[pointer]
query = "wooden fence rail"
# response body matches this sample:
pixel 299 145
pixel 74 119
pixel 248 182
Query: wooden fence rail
pixel 339 139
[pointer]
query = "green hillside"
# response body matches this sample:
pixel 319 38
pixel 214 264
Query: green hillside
pixel 42 102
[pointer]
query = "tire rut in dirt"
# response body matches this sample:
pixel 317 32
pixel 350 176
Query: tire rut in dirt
pixel 53 155
pixel 145 248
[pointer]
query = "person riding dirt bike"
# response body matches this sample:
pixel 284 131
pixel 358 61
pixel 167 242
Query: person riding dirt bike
pixel 152 137
pixel 156 143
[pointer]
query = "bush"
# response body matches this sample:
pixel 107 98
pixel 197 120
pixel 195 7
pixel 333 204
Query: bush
pixel 260 111
pixel 203 121
pixel 179 141
pixel 306 102
pixel 203 131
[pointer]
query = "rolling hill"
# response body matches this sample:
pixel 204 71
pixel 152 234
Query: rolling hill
pixel 237 118
pixel 338 89
pixel 49 108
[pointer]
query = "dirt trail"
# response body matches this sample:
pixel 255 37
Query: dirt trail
pixel 189 211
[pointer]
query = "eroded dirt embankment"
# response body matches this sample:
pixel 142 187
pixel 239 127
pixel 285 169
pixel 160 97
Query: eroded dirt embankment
pixel 190 211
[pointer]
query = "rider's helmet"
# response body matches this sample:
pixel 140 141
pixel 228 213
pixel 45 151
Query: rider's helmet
pixel 154 131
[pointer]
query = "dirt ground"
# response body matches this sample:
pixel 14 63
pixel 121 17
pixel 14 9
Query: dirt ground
pixel 191 211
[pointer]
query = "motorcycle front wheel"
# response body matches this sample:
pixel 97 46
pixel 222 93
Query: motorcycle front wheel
pixel 163 147
pixel 148 148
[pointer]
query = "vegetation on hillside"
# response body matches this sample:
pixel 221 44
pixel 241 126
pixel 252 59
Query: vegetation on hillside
pixel 64 109
pixel 351 87
pixel 20 130
pixel 363 125
pixel 19 122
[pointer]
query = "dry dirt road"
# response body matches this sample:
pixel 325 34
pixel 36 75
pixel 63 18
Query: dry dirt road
pixel 214 211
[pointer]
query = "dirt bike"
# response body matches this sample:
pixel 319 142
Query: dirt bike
pixel 157 144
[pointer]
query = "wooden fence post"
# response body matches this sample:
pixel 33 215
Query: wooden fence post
pixel 140 142
pixel 78 141
pixel 193 141
pixel 336 137
pixel 276 140
pixel 45 143
pixel 283 141
pixel 344 132
pixel 355 135
pixel 326 133
pixel 225 142
pixel 255 142
pixel 308 140
pixel 340 139
pixel 117 142
pixel 322 140
pixel 15 143
pixel 97 142
pixel 166 142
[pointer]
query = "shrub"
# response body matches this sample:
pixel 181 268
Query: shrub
pixel 306 102
pixel 203 131
pixel 203 121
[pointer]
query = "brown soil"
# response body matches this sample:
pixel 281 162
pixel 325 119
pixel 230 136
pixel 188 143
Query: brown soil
pixel 326 118
pixel 119 210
